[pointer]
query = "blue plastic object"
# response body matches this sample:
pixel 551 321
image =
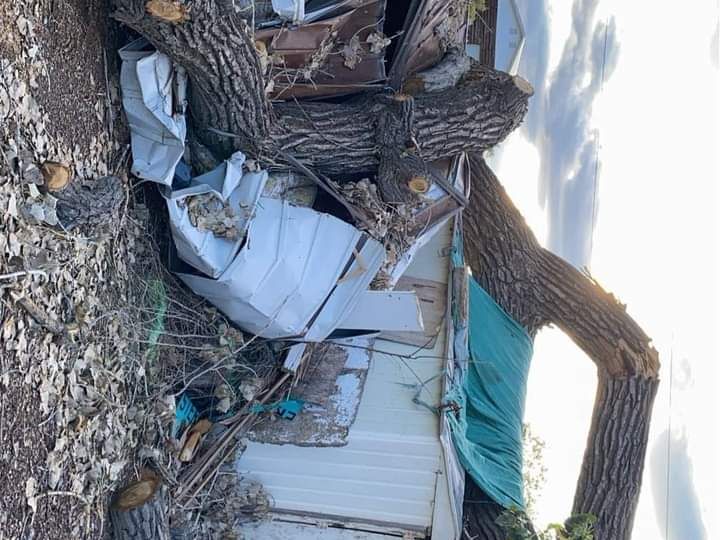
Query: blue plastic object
pixel 185 414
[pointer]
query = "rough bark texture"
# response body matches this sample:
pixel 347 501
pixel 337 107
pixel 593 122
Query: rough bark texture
pixel 615 453
pixel 227 93
pixel 477 114
pixel 216 48
pixel 148 521
pixel 537 288
pixel 479 514
pixel 90 202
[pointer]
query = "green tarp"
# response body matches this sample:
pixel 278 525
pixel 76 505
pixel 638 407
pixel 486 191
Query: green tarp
pixel 487 432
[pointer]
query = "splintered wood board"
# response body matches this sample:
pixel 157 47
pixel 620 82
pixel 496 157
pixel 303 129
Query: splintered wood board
pixel 433 299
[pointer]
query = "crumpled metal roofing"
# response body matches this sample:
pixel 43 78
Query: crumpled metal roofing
pixel 153 96
pixel 200 248
pixel 298 274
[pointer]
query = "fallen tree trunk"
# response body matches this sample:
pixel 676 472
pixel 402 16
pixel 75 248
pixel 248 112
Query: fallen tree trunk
pixel 214 44
pixel 538 288
pixel 475 115
pixel 227 93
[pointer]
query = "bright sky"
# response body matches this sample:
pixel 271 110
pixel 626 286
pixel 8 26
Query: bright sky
pixel 653 123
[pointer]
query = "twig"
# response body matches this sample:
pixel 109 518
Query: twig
pixel 20 273
pixel 38 315
pixel 64 494
pixel 209 463
pixel 354 212
pixel 108 101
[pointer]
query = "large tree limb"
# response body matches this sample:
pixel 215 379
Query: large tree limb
pixel 214 44
pixel 537 288
pixel 227 92
pixel 481 111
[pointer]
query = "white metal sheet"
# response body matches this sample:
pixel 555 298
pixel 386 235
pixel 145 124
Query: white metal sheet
pixel 202 249
pixel 149 81
pixel 391 468
pixel 292 264
pixel 386 311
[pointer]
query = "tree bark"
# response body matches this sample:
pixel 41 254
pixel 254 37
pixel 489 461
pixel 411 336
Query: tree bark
pixel 90 202
pixel 479 514
pixel 609 483
pixel 214 44
pixel 477 114
pixel 227 93
pixel 537 288
pixel 140 510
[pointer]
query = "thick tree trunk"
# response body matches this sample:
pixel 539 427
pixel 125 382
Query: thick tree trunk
pixel 609 483
pixel 215 46
pixel 479 514
pixel 537 288
pixel 475 115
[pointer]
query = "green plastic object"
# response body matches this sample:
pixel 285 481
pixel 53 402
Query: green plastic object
pixel 158 298
pixel 487 430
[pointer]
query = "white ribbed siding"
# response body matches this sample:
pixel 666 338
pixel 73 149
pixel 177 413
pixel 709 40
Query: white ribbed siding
pixel 391 470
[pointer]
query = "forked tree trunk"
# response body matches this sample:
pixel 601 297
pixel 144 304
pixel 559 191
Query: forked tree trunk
pixel 537 288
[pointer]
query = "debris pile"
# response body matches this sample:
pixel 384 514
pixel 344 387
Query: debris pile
pixel 173 333
pixel 208 213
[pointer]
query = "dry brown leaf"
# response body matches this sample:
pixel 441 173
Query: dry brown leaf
pixel 351 53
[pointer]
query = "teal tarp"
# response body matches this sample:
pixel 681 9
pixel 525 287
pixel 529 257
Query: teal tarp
pixel 487 432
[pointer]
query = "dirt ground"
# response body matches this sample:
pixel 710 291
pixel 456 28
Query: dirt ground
pixel 76 43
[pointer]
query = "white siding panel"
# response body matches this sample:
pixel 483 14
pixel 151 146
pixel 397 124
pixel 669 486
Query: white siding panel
pixel 389 470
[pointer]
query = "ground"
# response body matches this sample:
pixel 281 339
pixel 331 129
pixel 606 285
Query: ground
pixel 64 424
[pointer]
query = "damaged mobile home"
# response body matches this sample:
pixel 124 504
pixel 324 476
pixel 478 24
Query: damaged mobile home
pixel 371 440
